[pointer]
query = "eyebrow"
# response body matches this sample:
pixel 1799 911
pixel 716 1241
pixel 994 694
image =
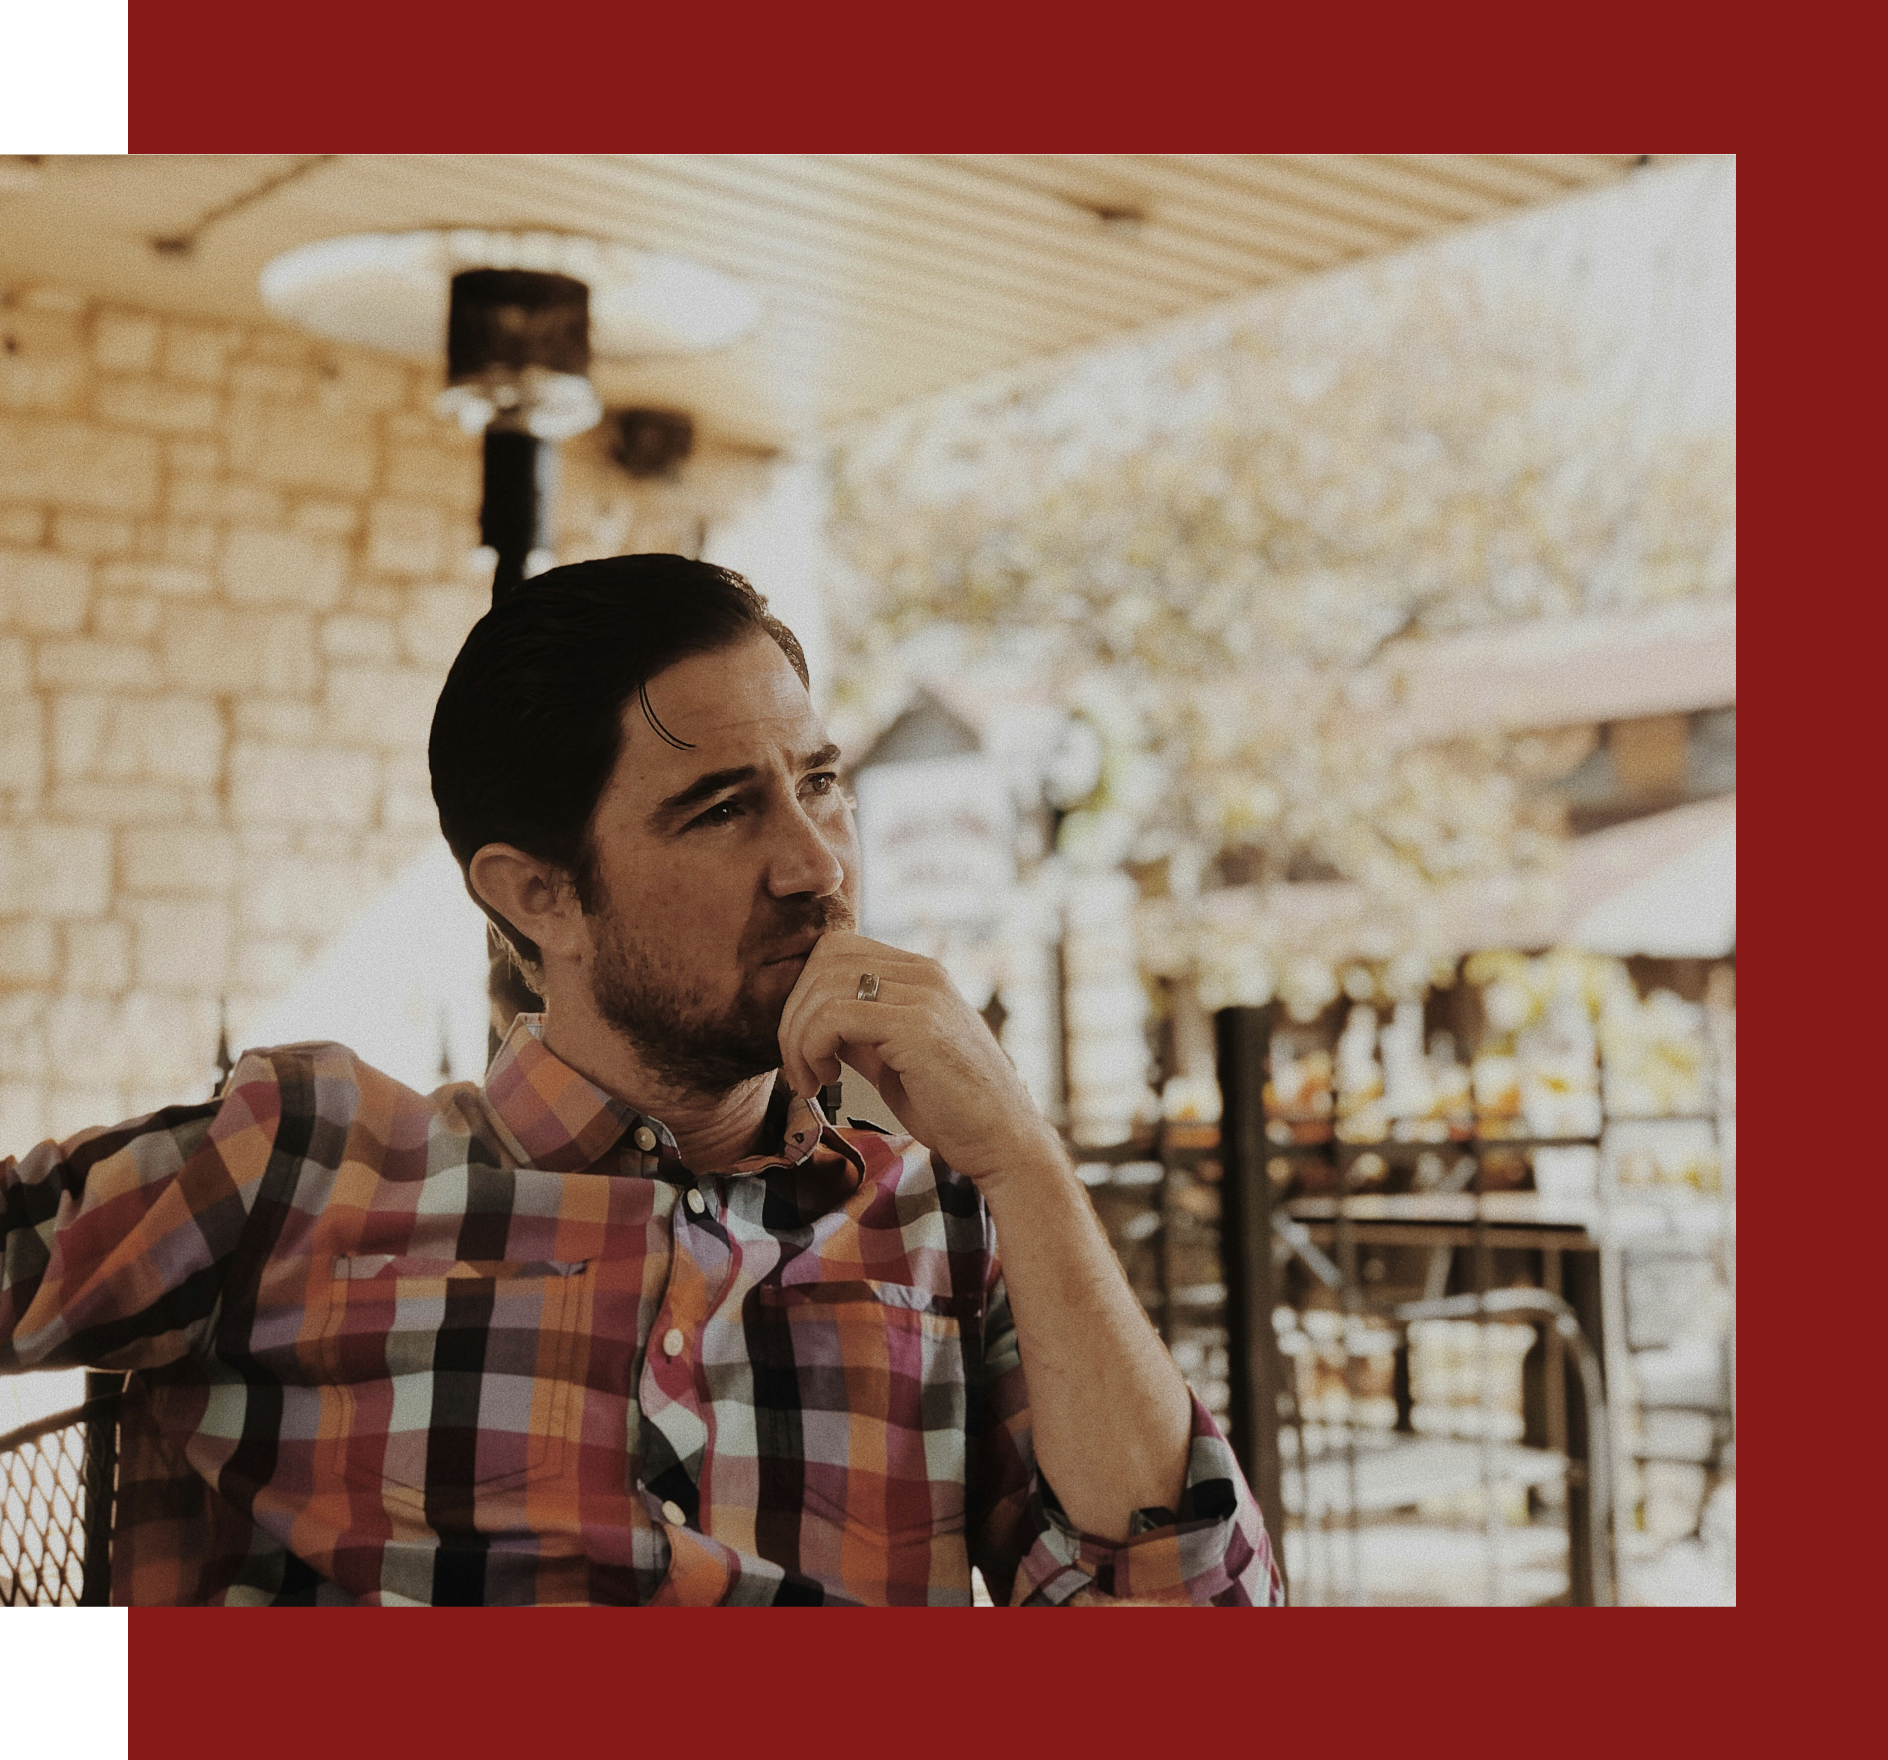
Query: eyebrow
pixel 706 787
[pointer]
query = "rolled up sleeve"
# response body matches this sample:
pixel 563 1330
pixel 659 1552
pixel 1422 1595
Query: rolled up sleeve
pixel 1210 1551
pixel 113 1243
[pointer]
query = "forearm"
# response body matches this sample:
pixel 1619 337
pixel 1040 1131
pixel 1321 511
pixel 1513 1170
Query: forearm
pixel 1110 1415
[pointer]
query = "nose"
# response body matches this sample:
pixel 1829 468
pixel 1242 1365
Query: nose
pixel 806 856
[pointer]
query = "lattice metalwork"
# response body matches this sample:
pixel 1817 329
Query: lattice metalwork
pixel 42 1518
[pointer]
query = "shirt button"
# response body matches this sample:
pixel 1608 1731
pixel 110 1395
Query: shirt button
pixel 672 1342
pixel 672 1514
pixel 696 1201
pixel 645 1138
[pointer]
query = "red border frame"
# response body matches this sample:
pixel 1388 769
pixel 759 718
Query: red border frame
pixel 212 75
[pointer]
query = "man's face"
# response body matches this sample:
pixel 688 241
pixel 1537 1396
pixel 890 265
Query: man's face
pixel 717 864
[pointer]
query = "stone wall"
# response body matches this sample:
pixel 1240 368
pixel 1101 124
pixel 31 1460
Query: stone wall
pixel 232 575
pixel 235 563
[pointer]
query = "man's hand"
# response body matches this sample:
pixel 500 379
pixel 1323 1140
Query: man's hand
pixel 921 1045
pixel 1109 1414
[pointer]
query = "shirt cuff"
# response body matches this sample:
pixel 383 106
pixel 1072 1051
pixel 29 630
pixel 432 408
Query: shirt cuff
pixel 1211 1551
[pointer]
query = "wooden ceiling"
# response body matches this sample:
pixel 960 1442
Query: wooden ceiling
pixel 885 276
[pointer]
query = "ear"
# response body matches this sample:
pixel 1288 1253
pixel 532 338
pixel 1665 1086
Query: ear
pixel 534 896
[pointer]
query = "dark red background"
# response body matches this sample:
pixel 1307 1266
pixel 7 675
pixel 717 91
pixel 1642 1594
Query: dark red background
pixel 216 76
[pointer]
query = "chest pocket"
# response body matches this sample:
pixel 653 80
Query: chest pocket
pixel 878 1375
pixel 454 1374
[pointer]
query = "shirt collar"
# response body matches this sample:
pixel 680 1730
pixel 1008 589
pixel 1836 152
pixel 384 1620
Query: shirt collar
pixel 563 1122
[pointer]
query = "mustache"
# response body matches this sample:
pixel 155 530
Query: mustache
pixel 795 919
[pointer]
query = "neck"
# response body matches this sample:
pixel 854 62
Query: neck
pixel 711 1131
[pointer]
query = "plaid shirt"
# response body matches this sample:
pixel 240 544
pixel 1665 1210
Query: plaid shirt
pixel 499 1345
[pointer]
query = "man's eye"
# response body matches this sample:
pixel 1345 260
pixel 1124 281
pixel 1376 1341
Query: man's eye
pixel 826 782
pixel 721 813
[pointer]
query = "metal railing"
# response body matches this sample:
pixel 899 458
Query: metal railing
pixel 58 1480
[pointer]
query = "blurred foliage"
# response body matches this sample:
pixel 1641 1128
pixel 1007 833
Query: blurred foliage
pixel 1218 538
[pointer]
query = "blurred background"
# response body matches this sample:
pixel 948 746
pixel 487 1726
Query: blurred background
pixel 1280 614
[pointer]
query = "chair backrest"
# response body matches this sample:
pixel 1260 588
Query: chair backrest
pixel 58 1480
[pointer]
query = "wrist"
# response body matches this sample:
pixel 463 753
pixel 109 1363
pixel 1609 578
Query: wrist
pixel 1033 1161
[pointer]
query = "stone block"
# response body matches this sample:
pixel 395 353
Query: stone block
pixel 192 542
pixel 194 457
pixel 278 723
pixel 303 447
pixel 125 617
pixel 198 353
pixel 125 342
pixel 22 1117
pixel 168 580
pixel 196 495
pixel 177 861
pixel 278 345
pixel 91 534
pixel 91 801
pixel 22 527
pixel 16 666
pixel 283 568
pixel 432 472
pixel 373 600
pixel 291 785
pixel 79 721
pixel 80 663
pixel 43 592
pixel 330 519
pixel 140 739
pixel 362 383
pixel 83 1046
pixel 98 957
pixel 405 537
pixel 180 944
pixel 22 1037
pixel 217 648
pixel 436 621
pixel 348 636
pixel 61 872
pixel 154 405
pixel 41 368
pixel 386 706
pixel 275 381
pixel 178 739
pixel 170 1046
pixel 76 464
pixel 22 751
pixel 29 952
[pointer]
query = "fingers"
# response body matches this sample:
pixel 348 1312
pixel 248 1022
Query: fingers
pixel 822 1030
pixel 834 968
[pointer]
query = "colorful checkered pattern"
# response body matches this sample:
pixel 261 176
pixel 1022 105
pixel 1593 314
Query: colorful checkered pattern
pixel 498 1345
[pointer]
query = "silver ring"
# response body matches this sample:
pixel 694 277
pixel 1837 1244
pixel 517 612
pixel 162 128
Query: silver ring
pixel 868 986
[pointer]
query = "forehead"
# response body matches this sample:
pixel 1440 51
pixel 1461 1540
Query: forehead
pixel 737 705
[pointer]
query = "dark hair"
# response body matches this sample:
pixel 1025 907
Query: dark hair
pixel 528 726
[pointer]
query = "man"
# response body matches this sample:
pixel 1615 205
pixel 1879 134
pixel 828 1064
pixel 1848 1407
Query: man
pixel 631 1322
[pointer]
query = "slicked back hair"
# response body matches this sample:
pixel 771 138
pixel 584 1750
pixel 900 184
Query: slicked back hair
pixel 528 727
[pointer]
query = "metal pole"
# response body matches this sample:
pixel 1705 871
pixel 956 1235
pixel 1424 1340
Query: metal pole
pixel 1254 1370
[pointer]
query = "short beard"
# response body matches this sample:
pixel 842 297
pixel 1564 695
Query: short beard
pixel 674 1033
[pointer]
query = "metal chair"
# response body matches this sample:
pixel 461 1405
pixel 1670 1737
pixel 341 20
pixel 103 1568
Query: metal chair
pixel 58 1481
